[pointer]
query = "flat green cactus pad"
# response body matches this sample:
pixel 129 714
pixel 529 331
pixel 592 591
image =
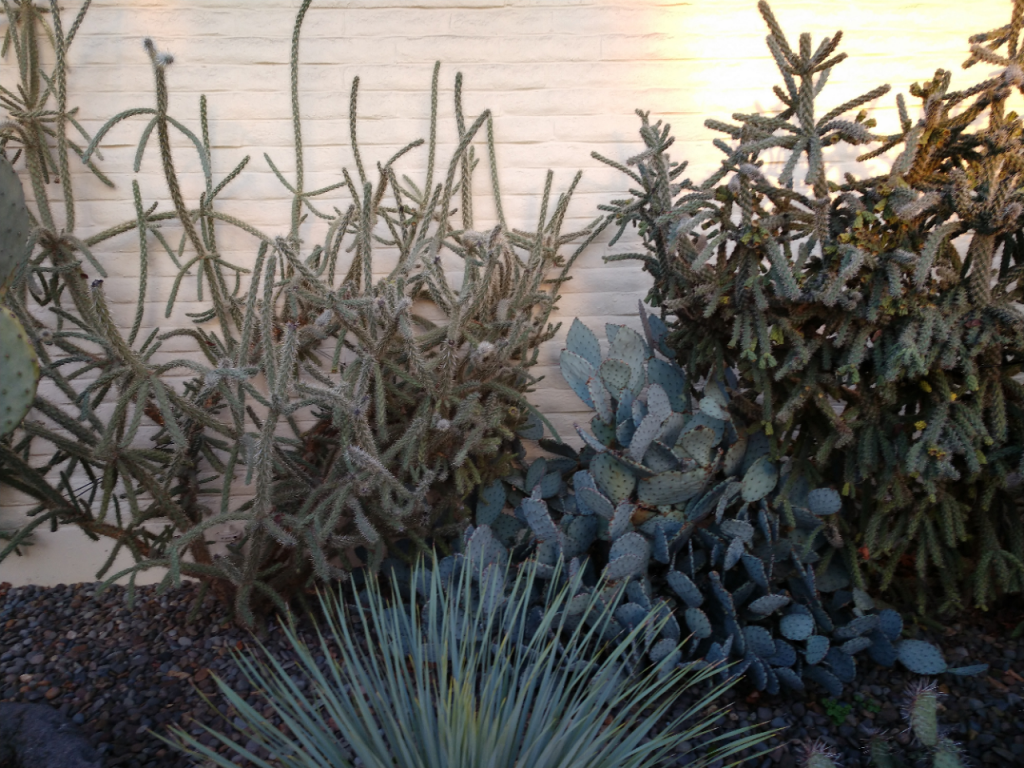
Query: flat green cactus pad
pixel 14 224
pixel 19 375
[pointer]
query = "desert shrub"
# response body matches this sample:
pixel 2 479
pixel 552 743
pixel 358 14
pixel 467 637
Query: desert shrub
pixel 358 409
pixel 467 673
pixel 875 356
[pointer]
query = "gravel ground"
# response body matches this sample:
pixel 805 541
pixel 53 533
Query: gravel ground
pixel 122 674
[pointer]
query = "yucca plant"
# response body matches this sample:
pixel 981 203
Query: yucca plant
pixel 466 674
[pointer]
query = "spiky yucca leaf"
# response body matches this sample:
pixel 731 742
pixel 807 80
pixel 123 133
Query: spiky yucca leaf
pixel 450 682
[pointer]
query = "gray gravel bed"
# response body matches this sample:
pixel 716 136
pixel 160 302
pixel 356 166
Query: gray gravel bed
pixel 121 675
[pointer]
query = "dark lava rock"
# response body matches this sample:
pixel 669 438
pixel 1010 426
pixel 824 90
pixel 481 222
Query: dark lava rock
pixel 37 736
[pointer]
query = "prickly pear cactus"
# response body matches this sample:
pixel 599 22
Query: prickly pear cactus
pixel 20 372
pixel 19 375
pixel 14 225
pixel 677 504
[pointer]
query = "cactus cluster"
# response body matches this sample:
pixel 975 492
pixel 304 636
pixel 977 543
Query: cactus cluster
pixel 931 747
pixel 20 368
pixel 681 507
pixel 876 354
pixel 358 405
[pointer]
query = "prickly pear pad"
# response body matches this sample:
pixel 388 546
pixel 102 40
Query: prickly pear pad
pixel 20 372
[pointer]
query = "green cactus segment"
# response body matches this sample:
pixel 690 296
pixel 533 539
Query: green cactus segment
pixel 879 752
pixel 817 647
pixel 577 372
pixel 859 626
pixel 580 534
pixel 506 528
pixel 630 347
pixel 537 517
pixel 890 624
pixel 649 429
pixel 826 680
pixel 790 679
pixel 582 341
pixel 604 434
pixel 698 623
pixel 973 669
pixel 734 456
pixel 595 502
pixel 797 626
pixel 490 503
pixel 628 555
pixel 759 640
pixel 660 459
pixel 769 604
pixel 672 487
pixel 824 501
pixel 482 549
pixel 20 372
pixel 630 615
pixel 740 529
pixel 759 480
pixel 923 714
pixel 856 645
pixel 820 760
pixel 756 571
pixel 15 225
pixel 535 474
pixel 882 651
pixel 615 375
pixel 602 400
pixel 699 444
pixel 842 664
pixel 683 586
pixel 621 522
pixel 947 755
pixel 920 657
pixel 757 446
pixel 658 403
pixel 670 378
pixel 711 408
pixel 612 477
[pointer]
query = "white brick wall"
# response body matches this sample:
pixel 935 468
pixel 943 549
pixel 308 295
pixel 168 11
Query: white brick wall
pixel 562 78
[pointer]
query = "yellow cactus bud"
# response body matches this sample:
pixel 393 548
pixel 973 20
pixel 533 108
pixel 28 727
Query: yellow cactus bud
pixel 926 386
pixel 952 397
pixel 920 424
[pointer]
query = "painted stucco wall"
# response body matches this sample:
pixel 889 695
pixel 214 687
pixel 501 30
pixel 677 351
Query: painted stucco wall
pixel 562 78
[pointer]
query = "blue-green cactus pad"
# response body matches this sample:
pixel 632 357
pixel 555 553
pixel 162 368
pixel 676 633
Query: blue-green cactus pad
pixel 824 501
pixel 920 657
pixel 817 647
pixel 582 341
pixel 20 372
pixel 577 372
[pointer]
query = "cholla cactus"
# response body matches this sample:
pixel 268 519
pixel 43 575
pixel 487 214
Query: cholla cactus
pixel 872 353
pixel 416 383
pixel 921 713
